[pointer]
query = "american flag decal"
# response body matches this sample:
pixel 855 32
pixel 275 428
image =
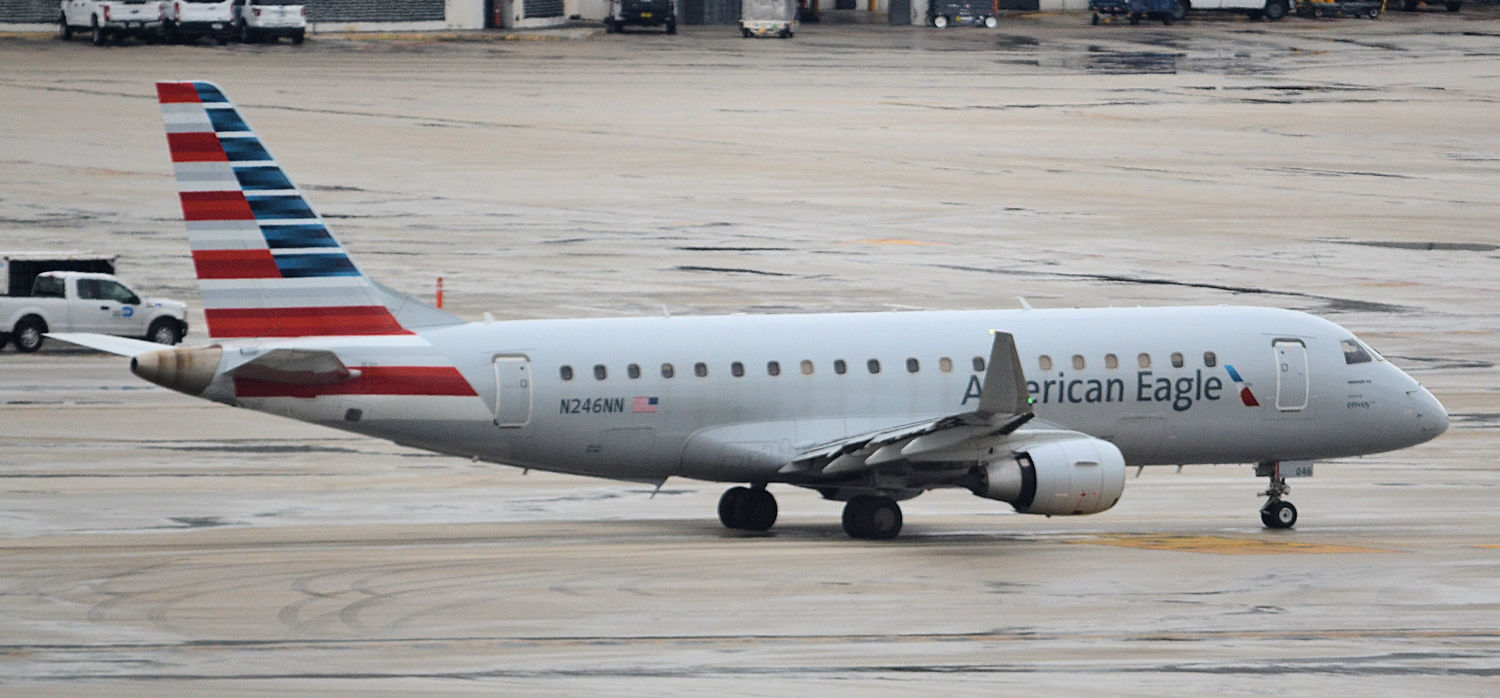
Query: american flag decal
pixel 643 404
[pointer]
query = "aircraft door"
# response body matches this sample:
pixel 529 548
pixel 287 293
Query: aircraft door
pixel 1291 374
pixel 512 391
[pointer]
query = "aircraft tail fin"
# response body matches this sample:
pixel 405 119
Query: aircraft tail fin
pixel 267 264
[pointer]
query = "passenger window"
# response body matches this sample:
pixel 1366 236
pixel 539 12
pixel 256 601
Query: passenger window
pixel 599 372
pixel 807 367
pixel 566 373
pixel 1144 360
pixel 945 365
pixel 1177 361
pixel 1045 362
pixel 912 366
pixel 840 367
pixel 115 292
pixel 773 368
pixel 88 289
pixel 979 364
pixel 873 365
pixel 1210 360
pixel 1354 353
pixel 700 369
pixel 47 287
pixel 1078 362
pixel 1111 361
pixel 738 369
pixel 667 371
pixel 633 370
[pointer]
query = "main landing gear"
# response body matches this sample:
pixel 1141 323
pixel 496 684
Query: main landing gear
pixel 1277 512
pixel 871 517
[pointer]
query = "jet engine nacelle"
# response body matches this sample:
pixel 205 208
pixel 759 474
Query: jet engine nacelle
pixel 1074 476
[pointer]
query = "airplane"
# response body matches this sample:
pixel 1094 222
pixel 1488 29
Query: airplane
pixel 1043 409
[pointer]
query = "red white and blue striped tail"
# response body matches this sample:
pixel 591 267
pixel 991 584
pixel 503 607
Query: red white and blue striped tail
pixel 267 265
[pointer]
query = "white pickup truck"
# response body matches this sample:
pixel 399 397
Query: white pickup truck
pixel 1272 10
pixel 190 20
pixel 270 19
pixel 71 301
pixel 112 19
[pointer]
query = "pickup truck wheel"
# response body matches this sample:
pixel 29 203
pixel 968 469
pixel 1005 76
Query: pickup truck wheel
pixel 28 334
pixel 164 331
pixel 64 31
pixel 245 36
pixel 298 37
pixel 97 32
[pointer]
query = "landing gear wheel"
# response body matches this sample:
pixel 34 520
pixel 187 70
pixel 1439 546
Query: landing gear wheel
pixel 28 335
pixel 1278 514
pixel 747 509
pixel 872 517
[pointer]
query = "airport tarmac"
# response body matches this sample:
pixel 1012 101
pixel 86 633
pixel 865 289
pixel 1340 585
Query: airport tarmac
pixel 152 543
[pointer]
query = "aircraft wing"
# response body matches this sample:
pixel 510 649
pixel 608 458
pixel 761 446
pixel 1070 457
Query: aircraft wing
pixel 1004 405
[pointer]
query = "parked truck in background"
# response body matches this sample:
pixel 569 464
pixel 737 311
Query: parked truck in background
pixel 107 20
pixel 190 20
pixel 270 19
pixel 74 292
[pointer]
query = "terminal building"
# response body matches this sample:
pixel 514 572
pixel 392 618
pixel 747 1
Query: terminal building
pixel 429 15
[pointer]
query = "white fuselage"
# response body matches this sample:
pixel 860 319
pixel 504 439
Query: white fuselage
pixel 1312 403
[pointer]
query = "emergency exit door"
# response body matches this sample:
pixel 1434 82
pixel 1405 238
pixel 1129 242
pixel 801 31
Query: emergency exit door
pixel 1291 374
pixel 512 391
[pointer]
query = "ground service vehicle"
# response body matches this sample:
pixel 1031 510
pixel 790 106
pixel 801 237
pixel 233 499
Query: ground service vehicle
pixel 768 18
pixel 270 19
pixel 111 19
pixel 641 13
pixel 947 13
pixel 73 301
pixel 189 20
pixel 1273 10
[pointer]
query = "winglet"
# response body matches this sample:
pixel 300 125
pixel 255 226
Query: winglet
pixel 1004 390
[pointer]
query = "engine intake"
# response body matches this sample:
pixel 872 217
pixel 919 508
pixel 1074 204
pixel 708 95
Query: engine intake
pixel 1065 478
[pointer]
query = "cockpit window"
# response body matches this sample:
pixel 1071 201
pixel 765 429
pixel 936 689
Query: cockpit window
pixel 1354 352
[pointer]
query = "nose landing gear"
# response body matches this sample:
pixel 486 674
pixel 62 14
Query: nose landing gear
pixel 1277 512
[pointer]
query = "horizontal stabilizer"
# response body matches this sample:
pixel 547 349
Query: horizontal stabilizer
pixel 109 344
pixel 296 367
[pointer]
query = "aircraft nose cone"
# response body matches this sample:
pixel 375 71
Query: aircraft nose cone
pixel 1432 419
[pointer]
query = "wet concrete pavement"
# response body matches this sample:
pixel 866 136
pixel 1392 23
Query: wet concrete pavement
pixel 151 543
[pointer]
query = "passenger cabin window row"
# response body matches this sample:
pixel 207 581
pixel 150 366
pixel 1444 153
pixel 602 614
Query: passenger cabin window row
pixel 773 368
pixel 1143 360
pixel 1353 353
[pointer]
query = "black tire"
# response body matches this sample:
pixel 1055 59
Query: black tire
pixel 730 509
pixel 757 510
pixel 1275 10
pixel 1373 13
pixel 244 31
pixel 1096 19
pixel 872 518
pixel 298 37
pixel 64 31
pixel 97 35
pixel 1179 10
pixel 4 339
pixel 671 27
pixel 164 331
pixel 28 334
pixel 1135 18
pixel 1278 514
